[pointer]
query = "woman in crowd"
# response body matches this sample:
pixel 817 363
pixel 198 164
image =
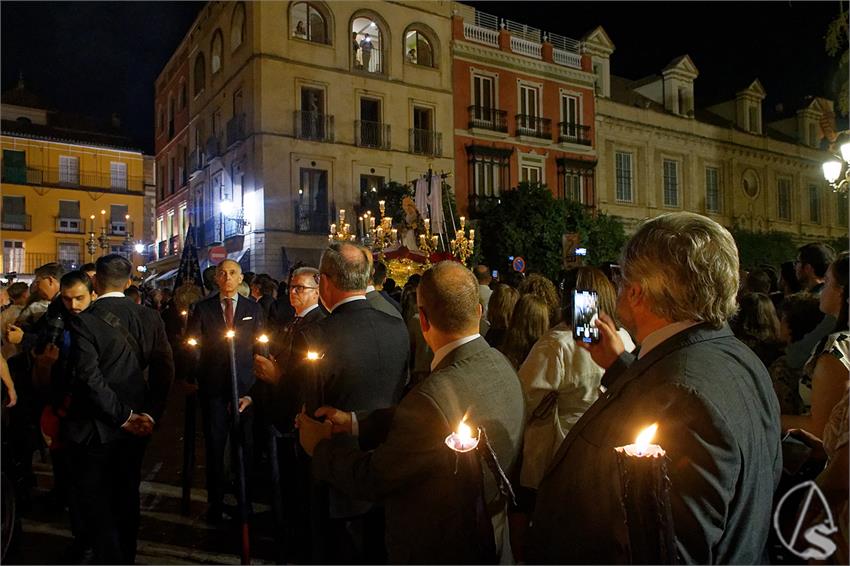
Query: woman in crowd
pixel 757 326
pixel 798 315
pixel 530 321
pixel 788 283
pixel 825 374
pixel 560 380
pixel 536 284
pixel 499 311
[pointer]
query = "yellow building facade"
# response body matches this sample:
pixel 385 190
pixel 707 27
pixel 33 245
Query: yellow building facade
pixel 67 196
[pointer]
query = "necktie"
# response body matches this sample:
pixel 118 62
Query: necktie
pixel 228 312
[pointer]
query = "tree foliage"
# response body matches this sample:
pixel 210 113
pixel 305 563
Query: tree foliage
pixel 529 222
pixel 837 45
pixel 756 248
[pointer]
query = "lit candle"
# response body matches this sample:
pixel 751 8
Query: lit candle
pixel 91 218
pixel 361 227
pixel 427 225
pixel 342 216
pixel 646 500
pixel 313 358
pixel 264 345
pixel 422 241
pixel 462 440
pixel 333 228
pixel 103 218
pixel 394 235
pixel 462 222
pixel 192 342
pixel 434 242
pixel 472 234
pixel 371 221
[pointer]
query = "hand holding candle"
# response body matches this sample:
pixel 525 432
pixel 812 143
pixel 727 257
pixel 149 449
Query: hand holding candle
pixel 646 500
pixel 263 340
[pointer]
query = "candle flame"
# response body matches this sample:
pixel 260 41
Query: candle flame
pixel 192 342
pixel 464 433
pixel 263 339
pixel 312 356
pixel 645 438
pixel 184 313
pixel 230 334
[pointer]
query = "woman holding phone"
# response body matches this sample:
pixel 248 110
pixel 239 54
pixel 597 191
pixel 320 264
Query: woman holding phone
pixel 560 380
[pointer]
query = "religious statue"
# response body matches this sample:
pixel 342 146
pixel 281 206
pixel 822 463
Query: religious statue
pixel 411 225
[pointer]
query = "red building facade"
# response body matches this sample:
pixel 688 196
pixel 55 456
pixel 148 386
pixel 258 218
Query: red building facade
pixel 524 110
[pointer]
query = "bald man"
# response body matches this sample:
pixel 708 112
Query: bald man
pixel 208 324
pixel 430 518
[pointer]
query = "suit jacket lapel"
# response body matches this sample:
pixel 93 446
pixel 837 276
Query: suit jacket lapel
pixel 694 334
pixel 241 308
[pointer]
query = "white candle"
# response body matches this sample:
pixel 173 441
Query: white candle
pixel 462 440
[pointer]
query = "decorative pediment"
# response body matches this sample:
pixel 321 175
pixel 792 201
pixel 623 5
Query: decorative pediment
pixel 683 67
pixel 755 90
pixel 597 42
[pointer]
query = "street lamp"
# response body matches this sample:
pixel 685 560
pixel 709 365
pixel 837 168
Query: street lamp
pixel 833 169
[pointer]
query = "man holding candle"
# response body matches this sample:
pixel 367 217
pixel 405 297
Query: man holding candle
pixel 717 414
pixel 413 471
pixel 361 366
pixel 208 324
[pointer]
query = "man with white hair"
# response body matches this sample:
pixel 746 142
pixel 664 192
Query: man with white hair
pixel 717 414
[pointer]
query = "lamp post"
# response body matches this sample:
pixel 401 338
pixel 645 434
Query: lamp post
pixel 837 171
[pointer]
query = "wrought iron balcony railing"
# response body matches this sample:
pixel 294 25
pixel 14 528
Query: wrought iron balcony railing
pixel 574 133
pixel 236 129
pixel 487 118
pixel 372 134
pixel 534 126
pixel 426 142
pixel 314 126
pixel 22 222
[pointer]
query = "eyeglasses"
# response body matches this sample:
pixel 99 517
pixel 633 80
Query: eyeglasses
pixel 300 288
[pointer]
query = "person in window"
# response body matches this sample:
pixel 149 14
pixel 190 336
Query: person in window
pixel 300 30
pixel 366 51
pixel 355 46
pixel 411 55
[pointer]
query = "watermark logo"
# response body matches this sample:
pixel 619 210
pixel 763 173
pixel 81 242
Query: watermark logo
pixel 807 537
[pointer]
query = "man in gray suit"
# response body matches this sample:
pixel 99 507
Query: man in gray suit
pixel 413 471
pixel 717 414
pixel 376 295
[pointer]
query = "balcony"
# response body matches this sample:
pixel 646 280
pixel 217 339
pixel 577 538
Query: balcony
pixel 533 126
pixel 314 126
pixel 210 232
pixel 574 133
pixel 26 263
pixel 212 148
pixel 236 129
pixel 21 175
pixel 70 225
pixel 372 134
pixel 426 142
pixel 196 161
pixel 486 118
pixel 70 178
pixel 373 63
pixel 174 245
pixel 162 249
pixel 117 228
pixel 21 222
pixel 309 220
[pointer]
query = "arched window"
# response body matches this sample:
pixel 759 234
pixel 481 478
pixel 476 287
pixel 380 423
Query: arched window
pixel 237 26
pixel 367 45
pixel 200 74
pixel 418 49
pixel 308 20
pixel 216 50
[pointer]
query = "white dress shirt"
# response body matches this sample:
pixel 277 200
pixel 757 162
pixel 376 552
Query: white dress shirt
pixel 662 334
pixel 447 349
pixel 348 300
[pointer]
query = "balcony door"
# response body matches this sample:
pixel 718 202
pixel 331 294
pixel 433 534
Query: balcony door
pixel 370 122
pixel 569 112
pixel 13 256
pixel 14 167
pixel 423 125
pixel 312 113
pixel 69 170
pixel 483 99
pixel 528 107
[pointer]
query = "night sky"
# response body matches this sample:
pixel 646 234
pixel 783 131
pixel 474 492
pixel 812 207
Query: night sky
pixel 102 57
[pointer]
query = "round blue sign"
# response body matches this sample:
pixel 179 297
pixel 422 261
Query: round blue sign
pixel 519 264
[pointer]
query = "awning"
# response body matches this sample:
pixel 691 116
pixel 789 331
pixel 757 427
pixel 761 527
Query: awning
pixel 167 275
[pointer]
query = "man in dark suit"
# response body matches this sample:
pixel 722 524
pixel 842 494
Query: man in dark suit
pixel 286 375
pixel 717 414
pixel 375 293
pixel 208 324
pixel 413 472
pixel 362 367
pixel 122 370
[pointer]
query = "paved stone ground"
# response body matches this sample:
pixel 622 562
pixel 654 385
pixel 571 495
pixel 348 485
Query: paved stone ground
pixel 166 536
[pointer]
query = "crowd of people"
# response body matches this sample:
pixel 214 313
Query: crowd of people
pixel 362 381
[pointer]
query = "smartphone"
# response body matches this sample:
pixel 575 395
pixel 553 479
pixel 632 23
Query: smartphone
pixel 494 274
pixel 585 315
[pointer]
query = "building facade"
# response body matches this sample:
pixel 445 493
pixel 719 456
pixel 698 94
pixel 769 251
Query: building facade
pixel 659 152
pixel 171 167
pixel 524 110
pixel 70 193
pixel 296 109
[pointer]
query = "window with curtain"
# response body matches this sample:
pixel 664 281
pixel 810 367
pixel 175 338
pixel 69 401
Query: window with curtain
pixel 712 190
pixel 814 204
pixel 671 183
pixel 624 175
pixel 783 198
